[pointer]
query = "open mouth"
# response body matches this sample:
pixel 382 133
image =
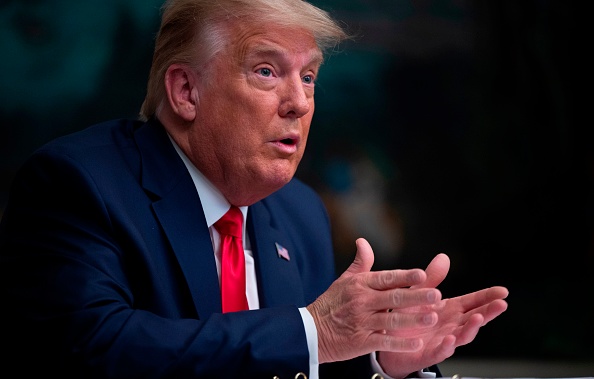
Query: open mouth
pixel 287 145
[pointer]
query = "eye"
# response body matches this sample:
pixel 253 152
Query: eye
pixel 264 71
pixel 308 79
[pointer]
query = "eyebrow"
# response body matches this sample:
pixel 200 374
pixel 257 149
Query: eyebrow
pixel 270 50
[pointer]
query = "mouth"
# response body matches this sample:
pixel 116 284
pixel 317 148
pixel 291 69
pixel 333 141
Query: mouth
pixel 288 141
pixel 287 145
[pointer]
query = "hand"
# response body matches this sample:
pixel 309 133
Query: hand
pixel 351 317
pixel 458 322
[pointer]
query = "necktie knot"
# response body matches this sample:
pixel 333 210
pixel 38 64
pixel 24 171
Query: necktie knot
pixel 231 223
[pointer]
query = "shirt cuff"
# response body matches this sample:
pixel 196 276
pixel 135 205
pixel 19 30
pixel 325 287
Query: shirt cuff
pixel 378 369
pixel 311 333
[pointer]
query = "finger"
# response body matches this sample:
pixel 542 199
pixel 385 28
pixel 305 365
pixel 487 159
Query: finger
pixel 477 299
pixel 445 349
pixel 386 342
pixel 402 324
pixel 436 271
pixel 469 330
pixel 363 258
pixel 487 312
pixel 391 279
pixel 406 299
pixel 493 310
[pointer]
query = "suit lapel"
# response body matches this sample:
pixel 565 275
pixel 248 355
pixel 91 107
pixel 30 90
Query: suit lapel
pixel 178 209
pixel 279 282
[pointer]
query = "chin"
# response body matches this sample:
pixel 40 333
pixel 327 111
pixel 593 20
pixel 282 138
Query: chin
pixel 271 178
pixel 255 190
pixel 283 177
pixel 272 183
pixel 278 182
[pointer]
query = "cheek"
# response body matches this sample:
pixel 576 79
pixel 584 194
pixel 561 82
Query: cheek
pixel 246 114
pixel 306 125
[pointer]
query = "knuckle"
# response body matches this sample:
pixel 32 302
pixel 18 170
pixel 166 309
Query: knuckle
pixel 387 342
pixel 385 279
pixel 394 321
pixel 397 298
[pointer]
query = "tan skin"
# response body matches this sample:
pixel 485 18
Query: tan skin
pixel 248 132
pixel 421 330
pixel 247 135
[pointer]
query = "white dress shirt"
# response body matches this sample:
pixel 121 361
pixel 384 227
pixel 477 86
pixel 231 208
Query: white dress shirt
pixel 214 206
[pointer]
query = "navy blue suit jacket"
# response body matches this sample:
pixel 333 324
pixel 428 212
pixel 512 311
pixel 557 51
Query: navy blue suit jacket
pixel 107 268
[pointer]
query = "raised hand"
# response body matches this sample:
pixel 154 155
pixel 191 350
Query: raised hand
pixel 458 322
pixel 398 313
pixel 351 317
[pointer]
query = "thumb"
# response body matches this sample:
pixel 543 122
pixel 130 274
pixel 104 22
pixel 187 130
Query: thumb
pixel 437 270
pixel 363 258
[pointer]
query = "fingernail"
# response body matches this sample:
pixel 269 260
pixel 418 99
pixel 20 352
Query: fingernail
pixel 428 319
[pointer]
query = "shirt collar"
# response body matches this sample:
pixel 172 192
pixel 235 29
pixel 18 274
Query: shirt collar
pixel 213 202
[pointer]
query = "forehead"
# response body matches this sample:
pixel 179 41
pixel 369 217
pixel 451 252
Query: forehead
pixel 274 40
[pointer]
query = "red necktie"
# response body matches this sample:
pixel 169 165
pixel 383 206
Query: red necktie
pixel 232 261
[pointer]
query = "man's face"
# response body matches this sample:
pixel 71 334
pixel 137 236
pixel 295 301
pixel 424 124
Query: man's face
pixel 254 111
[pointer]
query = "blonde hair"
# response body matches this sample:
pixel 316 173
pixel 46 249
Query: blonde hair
pixel 192 32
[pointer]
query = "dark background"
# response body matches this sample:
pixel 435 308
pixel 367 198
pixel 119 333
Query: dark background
pixel 444 126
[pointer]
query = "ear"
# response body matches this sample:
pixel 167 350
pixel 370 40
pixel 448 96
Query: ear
pixel 180 84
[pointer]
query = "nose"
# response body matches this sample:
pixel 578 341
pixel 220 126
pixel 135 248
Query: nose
pixel 295 99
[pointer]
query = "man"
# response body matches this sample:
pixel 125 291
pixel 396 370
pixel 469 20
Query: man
pixel 112 258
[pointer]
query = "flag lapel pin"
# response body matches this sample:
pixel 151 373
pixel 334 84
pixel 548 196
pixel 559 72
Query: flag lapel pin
pixel 282 252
